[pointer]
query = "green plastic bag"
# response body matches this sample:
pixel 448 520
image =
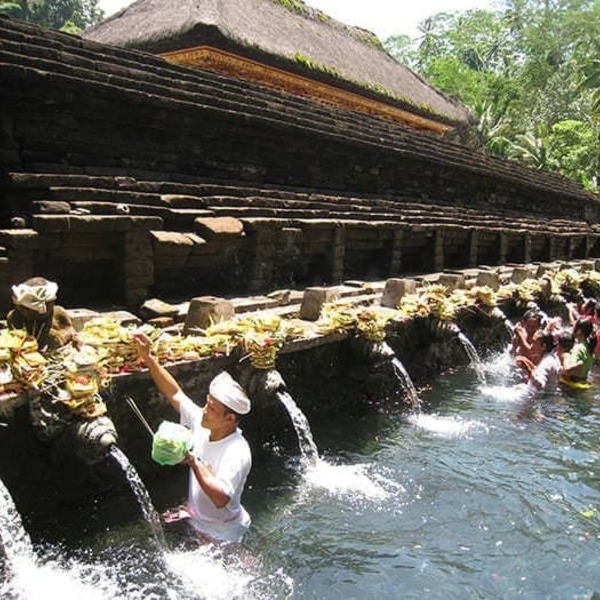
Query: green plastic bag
pixel 170 443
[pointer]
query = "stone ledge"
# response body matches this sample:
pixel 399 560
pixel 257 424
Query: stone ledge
pixel 49 223
pixel 219 227
pixel 18 238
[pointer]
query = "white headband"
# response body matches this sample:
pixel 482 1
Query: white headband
pixel 230 393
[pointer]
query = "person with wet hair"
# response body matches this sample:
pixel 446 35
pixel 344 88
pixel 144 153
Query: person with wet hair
pixel 543 376
pixel 564 345
pixel 522 341
pixel 581 357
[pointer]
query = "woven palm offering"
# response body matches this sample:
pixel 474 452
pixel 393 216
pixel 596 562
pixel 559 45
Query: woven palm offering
pixel 371 325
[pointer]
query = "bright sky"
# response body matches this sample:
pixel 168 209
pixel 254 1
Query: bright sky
pixel 383 17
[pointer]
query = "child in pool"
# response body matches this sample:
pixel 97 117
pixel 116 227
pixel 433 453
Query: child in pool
pixel 580 359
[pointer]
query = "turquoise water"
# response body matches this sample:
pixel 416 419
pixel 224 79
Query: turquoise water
pixel 482 495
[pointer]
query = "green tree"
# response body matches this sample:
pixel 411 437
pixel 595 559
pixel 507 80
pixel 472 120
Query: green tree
pixel 68 15
pixel 402 49
pixel 529 71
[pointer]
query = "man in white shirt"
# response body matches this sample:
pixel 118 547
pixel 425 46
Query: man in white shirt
pixel 220 459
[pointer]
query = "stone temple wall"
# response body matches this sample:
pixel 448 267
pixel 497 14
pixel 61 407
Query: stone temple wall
pixel 123 177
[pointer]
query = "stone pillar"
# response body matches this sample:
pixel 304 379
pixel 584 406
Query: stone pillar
pixel 313 300
pixel 452 281
pixel 520 274
pixel 502 248
pixel 263 252
pixel 338 254
pixel 395 289
pixel 488 278
pixel 396 258
pixel 551 254
pixel 438 250
pixel 137 267
pixel 205 310
pixel 527 247
pixel 590 241
pixel 572 243
pixel 473 248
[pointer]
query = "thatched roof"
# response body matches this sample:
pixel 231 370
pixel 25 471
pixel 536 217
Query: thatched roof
pixel 278 30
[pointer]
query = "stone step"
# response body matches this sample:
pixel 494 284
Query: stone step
pixel 124 54
pixel 422 143
pixel 94 223
pixel 282 200
pixel 200 95
pixel 91 194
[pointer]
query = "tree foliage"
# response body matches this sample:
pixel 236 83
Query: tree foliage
pixel 72 16
pixel 529 71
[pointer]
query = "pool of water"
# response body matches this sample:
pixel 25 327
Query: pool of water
pixel 482 495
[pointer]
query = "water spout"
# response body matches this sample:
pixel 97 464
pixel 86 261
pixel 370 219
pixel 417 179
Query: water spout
pixel 473 356
pixel 382 353
pixel 141 493
pixel 94 439
pixel 407 384
pixel 308 448
pixel 403 377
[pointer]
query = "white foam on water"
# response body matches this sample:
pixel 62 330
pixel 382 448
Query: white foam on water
pixel 446 426
pixel 505 393
pixel 502 365
pixel 206 573
pixel 30 581
pixel 353 481
pixel 200 571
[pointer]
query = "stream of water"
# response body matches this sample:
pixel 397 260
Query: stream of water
pixel 141 493
pixel 407 384
pixel 478 366
pixel 481 495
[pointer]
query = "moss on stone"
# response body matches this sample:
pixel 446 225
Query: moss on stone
pixel 313 66
pixel 297 6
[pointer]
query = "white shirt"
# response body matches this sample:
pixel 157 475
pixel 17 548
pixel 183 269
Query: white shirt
pixel 229 460
pixel 545 376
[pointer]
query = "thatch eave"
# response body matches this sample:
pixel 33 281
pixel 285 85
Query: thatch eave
pixel 299 41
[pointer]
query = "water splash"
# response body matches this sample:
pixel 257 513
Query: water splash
pixel 446 426
pixel 225 574
pixel 503 393
pixel 15 540
pixel 29 577
pixel 308 448
pixel 473 356
pixel 141 494
pixel 501 366
pixel 73 581
pixel 510 327
pixel 351 482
